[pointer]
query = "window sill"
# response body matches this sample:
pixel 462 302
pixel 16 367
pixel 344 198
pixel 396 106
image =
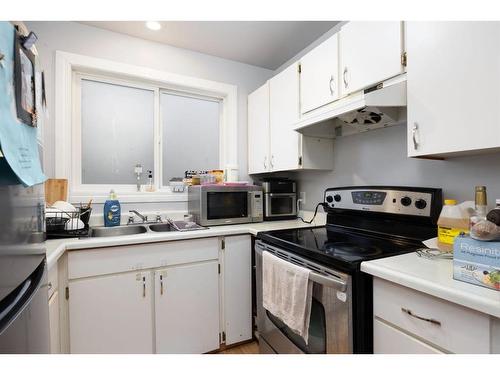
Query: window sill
pixel 131 197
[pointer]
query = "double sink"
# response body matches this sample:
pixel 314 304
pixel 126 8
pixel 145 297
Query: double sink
pixel 126 230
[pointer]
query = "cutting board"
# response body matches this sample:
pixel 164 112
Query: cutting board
pixel 56 189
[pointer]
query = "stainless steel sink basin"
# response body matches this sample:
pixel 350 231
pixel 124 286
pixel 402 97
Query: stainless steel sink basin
pixel 117 231
pixel 162 228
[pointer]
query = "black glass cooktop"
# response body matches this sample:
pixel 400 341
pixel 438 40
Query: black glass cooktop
pixel 338 246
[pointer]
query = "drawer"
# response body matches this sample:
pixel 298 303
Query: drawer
pixel 449 326
pixel 53 280
pixel 389 340
pixel 108 260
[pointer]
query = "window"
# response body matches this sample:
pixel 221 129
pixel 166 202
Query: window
pixel 117 132
pixel 112 116
pixel 190 127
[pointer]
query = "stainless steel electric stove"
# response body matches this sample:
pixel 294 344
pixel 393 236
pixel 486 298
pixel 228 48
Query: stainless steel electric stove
pixel 363 223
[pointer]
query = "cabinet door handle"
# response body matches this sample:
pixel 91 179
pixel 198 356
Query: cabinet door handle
pixel 332 81
pixel 414 135
pixel 272 161
pixel 265 162
pixel 161 284
pixel 430 320
pixel 344 76
pixel 144 286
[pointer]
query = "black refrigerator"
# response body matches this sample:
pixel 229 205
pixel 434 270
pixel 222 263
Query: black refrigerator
pixel 24 316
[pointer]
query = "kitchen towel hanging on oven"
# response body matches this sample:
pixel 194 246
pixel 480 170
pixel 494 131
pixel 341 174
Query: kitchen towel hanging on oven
pixel 21 91
pixel 287 293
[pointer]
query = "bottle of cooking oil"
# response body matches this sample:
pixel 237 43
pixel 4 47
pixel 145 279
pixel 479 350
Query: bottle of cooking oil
pixel 481 206
pixel 452 221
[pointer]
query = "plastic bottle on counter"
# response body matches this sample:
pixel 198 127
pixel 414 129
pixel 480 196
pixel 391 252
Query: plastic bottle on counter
pixel 452 221
pixel 112 211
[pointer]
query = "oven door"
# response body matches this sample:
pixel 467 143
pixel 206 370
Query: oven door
pixel 280 205
pixel 223 206
pixel 330 327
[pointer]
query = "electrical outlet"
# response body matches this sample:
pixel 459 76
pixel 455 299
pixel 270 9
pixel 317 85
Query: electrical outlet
pixel 302 197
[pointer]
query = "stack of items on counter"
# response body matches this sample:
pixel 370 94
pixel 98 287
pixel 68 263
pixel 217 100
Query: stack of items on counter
pixel 474 237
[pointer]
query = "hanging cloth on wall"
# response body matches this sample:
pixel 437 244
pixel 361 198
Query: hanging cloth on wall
pixel 18 140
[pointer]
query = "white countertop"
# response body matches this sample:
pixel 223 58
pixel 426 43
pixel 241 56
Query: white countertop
pixel 55 248
pixel 434 277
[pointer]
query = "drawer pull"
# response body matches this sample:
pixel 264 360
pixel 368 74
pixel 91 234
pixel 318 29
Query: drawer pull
pixel 144 287
pixel 430 320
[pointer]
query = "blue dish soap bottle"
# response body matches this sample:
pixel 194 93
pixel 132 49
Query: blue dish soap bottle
pixel 112 211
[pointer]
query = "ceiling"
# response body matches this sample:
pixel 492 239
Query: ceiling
pixel 267 44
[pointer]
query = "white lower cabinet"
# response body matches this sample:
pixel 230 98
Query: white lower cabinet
pixel 171 297
pixel 412 322
pixel 237 288
pixel 111 314
pixel 187 308
pixel 55 342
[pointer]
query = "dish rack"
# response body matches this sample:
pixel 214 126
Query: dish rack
pixel 68 224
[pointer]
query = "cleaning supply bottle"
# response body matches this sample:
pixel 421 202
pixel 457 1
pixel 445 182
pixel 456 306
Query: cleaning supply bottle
pixel 112 210
pixel 452 221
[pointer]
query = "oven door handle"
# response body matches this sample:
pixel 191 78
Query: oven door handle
pixel 291 195
pixel 328 281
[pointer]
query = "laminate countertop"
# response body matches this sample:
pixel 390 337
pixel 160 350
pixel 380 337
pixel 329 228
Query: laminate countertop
pixel 56 248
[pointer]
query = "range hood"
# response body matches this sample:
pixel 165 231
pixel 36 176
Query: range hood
pixel 374 108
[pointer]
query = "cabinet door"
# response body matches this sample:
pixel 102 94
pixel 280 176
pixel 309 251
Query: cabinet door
pixel 238 289
pixel 453 76
pixel 111 314
pixel 55 342
pixel 319 75
pixel 258 130
pixel 187 308
pixel 284 112
pixel 370 53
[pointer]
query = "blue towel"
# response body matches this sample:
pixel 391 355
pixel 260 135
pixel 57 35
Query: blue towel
pixel 18 141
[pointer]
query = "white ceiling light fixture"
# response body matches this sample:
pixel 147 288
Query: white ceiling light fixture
pixel 153 25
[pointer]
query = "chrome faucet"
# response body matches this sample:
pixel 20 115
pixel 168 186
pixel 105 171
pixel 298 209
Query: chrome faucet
pixel 144 218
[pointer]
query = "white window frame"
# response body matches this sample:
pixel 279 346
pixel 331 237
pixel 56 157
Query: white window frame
pixel 71 68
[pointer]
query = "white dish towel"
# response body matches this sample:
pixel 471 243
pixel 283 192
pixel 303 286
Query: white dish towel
pixel 287 293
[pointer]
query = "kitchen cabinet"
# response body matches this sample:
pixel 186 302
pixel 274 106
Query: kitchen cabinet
pixel 412 322
pixel 258 130
pixel 237 267
pixel 111 314
pixel 286 149
pixel 319 69
pixel 370 52
pixel 452 76
pixel 187 308
pixel 55 342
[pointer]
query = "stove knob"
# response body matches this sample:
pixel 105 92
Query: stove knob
pixel 420 204
pixel 329 199
pixel 337 197
pixel 406 201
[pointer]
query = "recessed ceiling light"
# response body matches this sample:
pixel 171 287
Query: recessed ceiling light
pixel 153 25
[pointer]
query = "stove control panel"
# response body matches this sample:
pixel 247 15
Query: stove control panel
pixel 404 201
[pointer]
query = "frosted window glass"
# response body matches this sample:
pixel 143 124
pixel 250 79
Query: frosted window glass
pixel 117 132
pixel 190 134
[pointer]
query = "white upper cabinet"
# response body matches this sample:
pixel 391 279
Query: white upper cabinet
pixel 319 84
pixel 258 130
pixel 284 113
pixel 370 52
pixel 453 76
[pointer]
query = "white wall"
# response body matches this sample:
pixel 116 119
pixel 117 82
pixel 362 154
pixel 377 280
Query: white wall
pixel 86 40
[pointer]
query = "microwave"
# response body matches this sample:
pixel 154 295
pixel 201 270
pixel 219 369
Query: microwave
pixel 221 205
